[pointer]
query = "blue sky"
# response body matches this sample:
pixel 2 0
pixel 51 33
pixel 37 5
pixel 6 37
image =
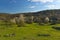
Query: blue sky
pixel 18 6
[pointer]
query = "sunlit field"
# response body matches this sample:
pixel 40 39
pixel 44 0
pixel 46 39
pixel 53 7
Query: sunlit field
pixel 30 32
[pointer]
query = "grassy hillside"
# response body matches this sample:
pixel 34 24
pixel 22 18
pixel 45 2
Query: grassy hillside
pixel 30 32
pixel 10 31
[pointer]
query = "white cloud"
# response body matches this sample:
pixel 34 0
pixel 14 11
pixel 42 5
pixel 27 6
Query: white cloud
pixel 32 6
pixel 43 1
pixel 52 7
pixel 57 0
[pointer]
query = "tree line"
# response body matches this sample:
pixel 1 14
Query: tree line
pixel 22 20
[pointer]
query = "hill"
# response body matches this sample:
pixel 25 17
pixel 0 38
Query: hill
pixel 44 13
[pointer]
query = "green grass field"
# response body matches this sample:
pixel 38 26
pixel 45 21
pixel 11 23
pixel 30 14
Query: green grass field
pixel 30 32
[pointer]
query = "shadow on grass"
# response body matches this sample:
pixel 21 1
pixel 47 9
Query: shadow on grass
pixel 56 27
pixel 45 35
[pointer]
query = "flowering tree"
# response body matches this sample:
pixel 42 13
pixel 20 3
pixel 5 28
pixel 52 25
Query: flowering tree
pixel 20 20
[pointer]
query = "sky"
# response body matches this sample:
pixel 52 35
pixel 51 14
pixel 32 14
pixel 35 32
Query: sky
pixel 21 6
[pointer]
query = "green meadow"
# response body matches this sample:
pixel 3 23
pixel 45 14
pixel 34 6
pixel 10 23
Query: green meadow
pixel 30 32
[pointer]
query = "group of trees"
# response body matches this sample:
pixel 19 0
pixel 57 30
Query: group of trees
pixel 20 20
pixel 41 17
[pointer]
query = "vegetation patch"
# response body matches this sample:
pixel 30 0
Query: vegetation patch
pixel 45 35
pixel 56 27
